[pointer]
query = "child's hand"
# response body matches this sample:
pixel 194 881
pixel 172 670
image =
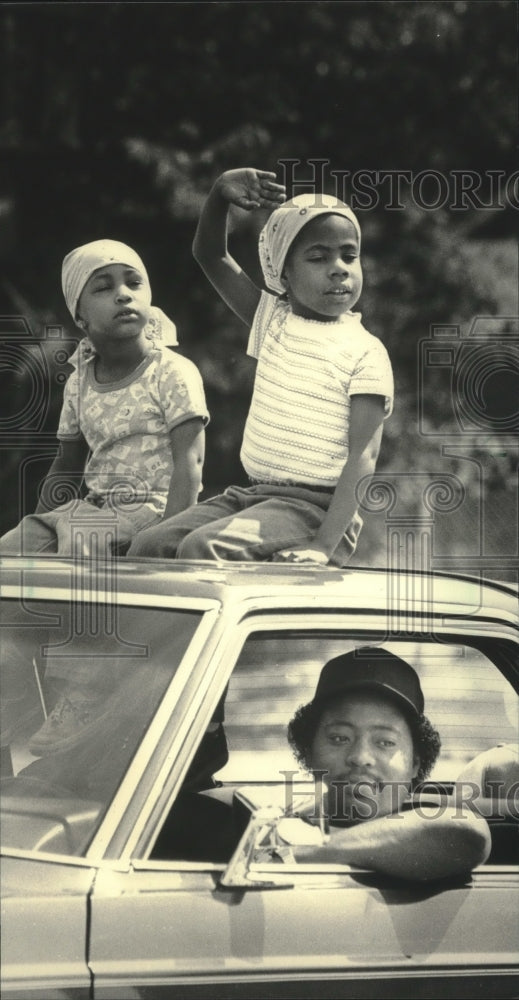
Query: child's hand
pixel 249 188
pixel 305 554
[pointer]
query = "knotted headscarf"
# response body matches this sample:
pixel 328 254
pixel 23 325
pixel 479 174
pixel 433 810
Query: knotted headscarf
pixel 80 264
pixel 283 226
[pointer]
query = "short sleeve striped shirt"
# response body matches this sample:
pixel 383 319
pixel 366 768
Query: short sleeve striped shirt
pixel 298 423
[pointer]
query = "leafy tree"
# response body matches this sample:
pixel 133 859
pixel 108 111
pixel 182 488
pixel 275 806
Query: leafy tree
pixel 117 117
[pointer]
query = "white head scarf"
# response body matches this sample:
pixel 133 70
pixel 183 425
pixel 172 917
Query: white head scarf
pixel 283 226
pixel 79 265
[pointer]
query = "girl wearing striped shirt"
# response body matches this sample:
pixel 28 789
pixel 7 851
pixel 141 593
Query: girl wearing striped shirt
pixel 322 389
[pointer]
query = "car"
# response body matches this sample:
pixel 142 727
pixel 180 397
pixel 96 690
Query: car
pixel 146 770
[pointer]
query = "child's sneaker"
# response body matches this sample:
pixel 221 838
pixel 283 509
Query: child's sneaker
pixel 75 708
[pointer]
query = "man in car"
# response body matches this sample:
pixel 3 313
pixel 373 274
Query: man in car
pixel 364 735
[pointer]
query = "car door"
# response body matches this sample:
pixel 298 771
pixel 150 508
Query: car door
pixel 167 928
pixel 170 931
pixel 44 928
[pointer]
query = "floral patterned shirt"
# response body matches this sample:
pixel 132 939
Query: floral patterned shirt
pixel 127 423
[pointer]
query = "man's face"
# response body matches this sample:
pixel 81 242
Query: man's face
pixel 363 743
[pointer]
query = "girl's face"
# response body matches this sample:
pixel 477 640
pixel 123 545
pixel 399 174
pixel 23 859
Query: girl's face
pixel 322 269
pixel 115 303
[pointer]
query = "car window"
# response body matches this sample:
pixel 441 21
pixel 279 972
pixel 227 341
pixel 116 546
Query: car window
pixel 79 685
pixel 467 699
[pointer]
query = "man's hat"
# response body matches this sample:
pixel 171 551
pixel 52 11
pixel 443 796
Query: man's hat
pixel 374 669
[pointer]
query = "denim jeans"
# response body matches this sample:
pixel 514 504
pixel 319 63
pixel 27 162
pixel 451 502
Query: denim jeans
pixel 246 524
pixel 78 527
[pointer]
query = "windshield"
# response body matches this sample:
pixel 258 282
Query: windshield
pixel 79 685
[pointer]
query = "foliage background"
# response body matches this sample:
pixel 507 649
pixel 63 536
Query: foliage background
pixel 116 119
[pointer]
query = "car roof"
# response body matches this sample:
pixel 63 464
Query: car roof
pixel 270 584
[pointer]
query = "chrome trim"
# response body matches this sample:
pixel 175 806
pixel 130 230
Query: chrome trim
pixel 129 598
pixel 26 854
pixel 136 771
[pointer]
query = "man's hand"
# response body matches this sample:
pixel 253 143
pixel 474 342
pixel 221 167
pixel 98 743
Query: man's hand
pixel 303 554
pixel 249 188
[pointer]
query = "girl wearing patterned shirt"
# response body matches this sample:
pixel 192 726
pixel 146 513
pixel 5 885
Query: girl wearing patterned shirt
pixel 322 390
pixel 133 416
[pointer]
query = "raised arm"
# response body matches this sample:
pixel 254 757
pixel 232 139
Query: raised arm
pixel 248 189
pixel 64 476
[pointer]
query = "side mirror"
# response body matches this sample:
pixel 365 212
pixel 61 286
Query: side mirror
pixel 267 839
pixel 259 837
